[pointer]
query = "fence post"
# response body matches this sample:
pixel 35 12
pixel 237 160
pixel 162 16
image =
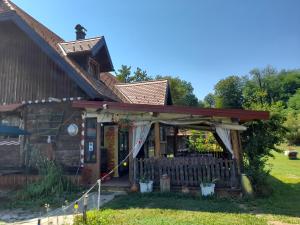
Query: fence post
pixel 85 202
pixel 99 193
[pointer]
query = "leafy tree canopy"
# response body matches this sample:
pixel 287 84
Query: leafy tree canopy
pixel 294 101
pixel 209 100
pixel 181 91
pixel 228 93
pixel 124 75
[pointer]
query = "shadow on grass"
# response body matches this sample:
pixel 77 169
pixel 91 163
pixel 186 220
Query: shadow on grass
pixel 284 201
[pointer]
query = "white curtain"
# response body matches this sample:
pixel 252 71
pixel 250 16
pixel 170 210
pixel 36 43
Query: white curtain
pixel 140 131
pixel 224 135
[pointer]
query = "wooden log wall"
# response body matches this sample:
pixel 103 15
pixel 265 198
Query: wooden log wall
pixel 190 171
pixel 53 119
pixel 20 180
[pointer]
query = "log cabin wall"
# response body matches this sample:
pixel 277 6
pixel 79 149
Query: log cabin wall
pixel 11 146
pixel 27 73
pixel 52 120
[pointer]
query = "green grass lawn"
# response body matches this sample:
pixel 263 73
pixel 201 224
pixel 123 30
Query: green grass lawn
pixel 283 207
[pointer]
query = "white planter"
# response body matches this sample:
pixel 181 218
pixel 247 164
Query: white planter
pixel 146 187
pixel 207 189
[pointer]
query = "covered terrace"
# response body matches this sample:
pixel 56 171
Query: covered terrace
pixel 153 141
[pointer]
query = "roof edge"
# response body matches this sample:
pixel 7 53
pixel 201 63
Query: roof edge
pixel 240 114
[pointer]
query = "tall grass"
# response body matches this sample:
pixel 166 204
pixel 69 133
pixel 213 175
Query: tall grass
pixel 52 188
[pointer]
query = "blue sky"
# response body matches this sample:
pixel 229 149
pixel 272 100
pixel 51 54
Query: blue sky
pixel 202 41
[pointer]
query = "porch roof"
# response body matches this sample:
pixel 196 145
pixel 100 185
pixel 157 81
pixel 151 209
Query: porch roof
pixel 10 107
pixel 239 114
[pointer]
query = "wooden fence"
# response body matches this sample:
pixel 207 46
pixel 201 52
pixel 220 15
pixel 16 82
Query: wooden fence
pixel 189 171
pixel 20 180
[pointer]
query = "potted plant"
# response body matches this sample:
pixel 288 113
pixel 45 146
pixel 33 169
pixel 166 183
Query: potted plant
pixel 208 187
pixel 146 185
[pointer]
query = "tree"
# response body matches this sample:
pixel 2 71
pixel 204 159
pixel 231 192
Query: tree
pixel 181 91
pixel 267 86
pixel 140 75
pixel 201 104
pixel 258 142
pixel 209 100
pixel 294 101
pixel 293 119
pixel 228 93
pixel 124 74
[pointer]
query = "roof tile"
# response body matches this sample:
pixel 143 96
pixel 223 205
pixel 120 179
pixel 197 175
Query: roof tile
pixel 80 45
pixel 150 92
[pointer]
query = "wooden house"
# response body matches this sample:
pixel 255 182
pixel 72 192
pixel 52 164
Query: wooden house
pixel 62 94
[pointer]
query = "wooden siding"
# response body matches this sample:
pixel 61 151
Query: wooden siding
pixel 10 155
pixel 27 73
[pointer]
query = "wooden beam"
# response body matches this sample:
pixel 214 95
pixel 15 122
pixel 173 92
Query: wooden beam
pixel 194 127
pixel 237 150
pixel 98 150
pixel 131 167
pixel 175 140
pixel 241 115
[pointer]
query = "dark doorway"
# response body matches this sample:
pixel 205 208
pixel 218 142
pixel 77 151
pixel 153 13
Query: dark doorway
pixel 123 152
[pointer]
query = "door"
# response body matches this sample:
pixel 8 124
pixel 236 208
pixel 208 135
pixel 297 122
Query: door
pixel 123 152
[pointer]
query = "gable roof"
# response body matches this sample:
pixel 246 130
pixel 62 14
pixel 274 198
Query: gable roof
pixel 154 92
pixel 49 42
pixel 149 92
pixel 79 46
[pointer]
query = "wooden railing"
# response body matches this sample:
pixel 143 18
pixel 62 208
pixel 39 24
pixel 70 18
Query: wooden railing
pixel 189 171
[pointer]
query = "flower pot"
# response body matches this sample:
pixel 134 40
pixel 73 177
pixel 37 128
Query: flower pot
pixel 207 189
pixel 146 187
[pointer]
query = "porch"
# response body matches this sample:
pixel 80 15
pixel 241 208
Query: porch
pixel 152 142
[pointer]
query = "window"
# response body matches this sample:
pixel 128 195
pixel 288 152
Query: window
pixel 94 69
pixel 90 143
pixel 10 121
pixel 163 134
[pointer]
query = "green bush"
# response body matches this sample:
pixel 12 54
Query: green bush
pixel 258 142
pixel 94 218
pixel 203 142
pixel 51 188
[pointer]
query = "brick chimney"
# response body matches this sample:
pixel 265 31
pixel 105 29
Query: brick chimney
pixel 80 32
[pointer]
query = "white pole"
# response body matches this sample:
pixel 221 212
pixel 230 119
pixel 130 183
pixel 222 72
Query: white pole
pixel 99 193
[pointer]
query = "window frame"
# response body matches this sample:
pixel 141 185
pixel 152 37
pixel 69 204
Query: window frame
pixel 90 156
pixel 93 68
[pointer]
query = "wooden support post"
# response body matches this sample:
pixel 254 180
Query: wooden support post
pixel 237 149
pixel 98 150
pixel 175 140
pixel 131 166
pixel 157 140
pixel 241 151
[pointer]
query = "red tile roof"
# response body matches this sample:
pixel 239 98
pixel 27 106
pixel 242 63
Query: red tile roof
pixel 149 92
pixel 53 40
